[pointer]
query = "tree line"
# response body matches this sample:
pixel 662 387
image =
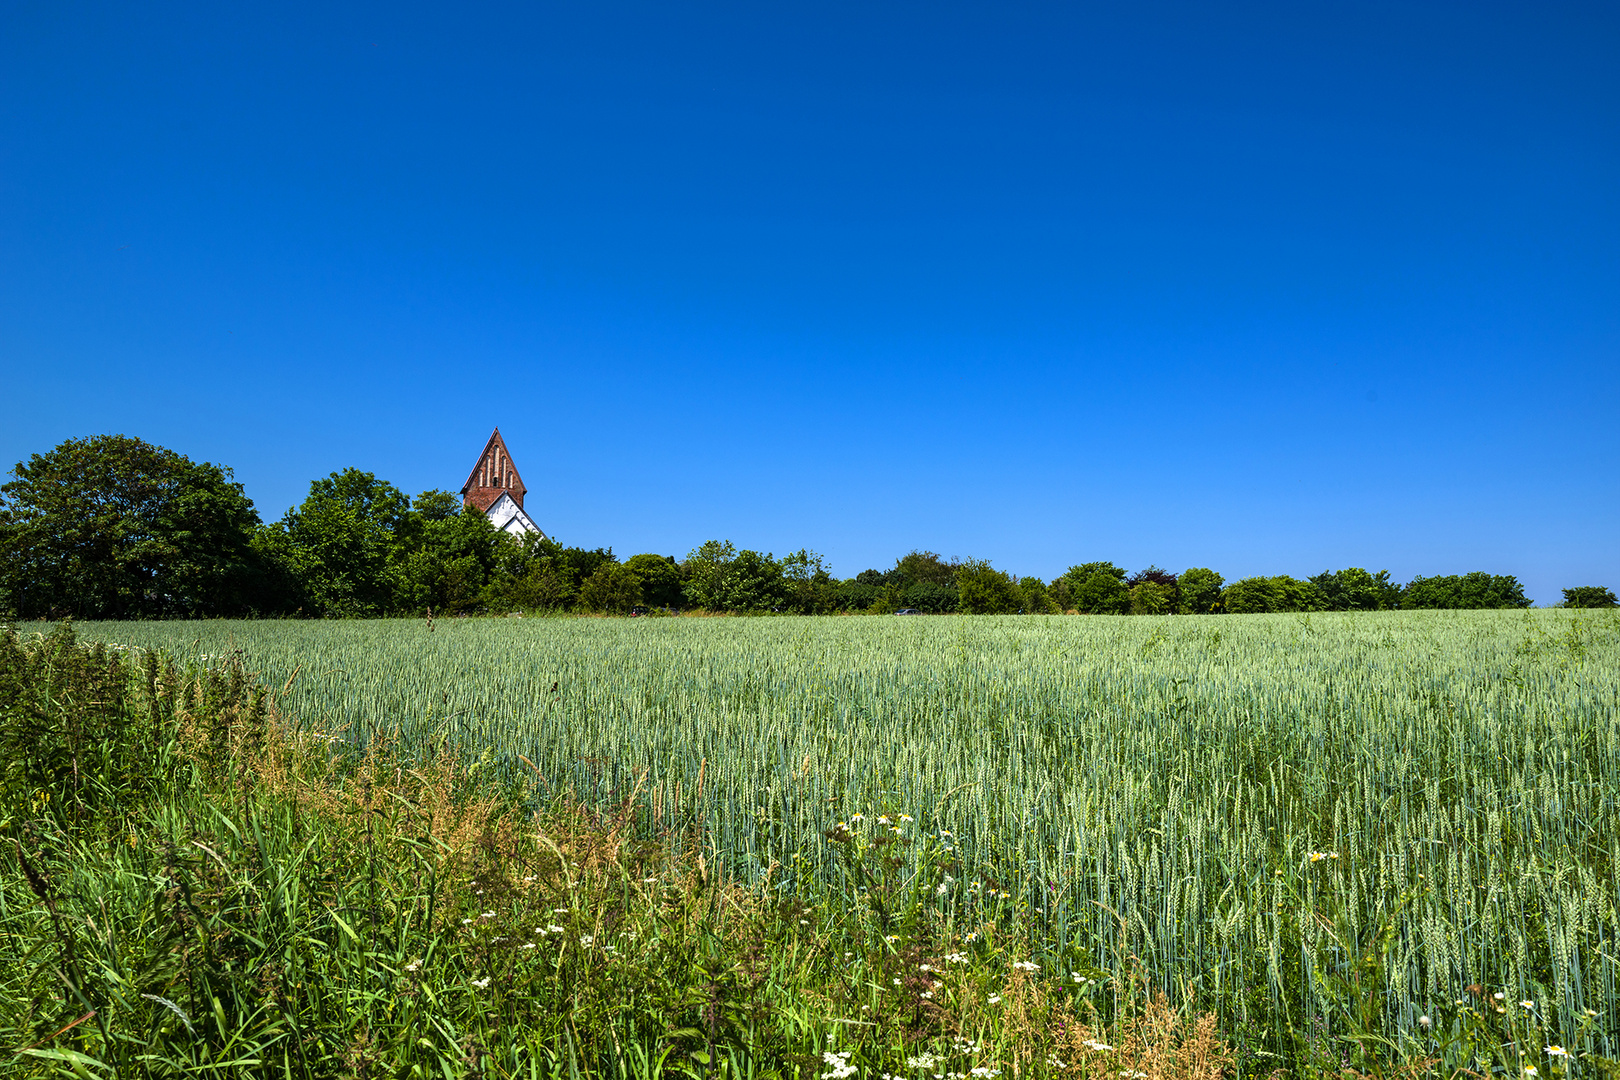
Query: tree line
pixel 110 526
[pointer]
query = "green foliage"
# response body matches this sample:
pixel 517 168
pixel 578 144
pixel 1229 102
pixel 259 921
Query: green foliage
pixel 1357 590
pixel 807 584
pixel 721 578
pixel 984 590
pixel 1200 591
pixel 114 527
pixel 1152 598
pixel 660 579
pixel 1259 595
pixel 340 541
pixel 1589 596
pixel 1471 591
pixel 614 589
pixel 1037 599
pixel 1097 588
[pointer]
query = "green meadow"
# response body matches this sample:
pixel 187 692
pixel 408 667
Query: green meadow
pixel 1391 824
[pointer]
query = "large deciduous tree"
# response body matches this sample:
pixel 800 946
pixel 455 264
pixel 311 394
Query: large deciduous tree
pixel 111 526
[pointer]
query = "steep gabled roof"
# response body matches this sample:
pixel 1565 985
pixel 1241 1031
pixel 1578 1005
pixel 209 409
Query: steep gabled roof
pixel 493 476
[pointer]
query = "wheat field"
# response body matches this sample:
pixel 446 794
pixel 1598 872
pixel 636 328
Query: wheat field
pixel 1290 820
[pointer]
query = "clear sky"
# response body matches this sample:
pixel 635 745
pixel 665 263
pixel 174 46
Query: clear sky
pixel 1266 288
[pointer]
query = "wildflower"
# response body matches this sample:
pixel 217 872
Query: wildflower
pixel 897 982
pixel 1026 965
pixel 1529 1070
pixel 927 994
pixel 925 967
pixel 972 937
pixel 1100 1047
pixel 995 999
pixel 1527 1004
pixel 555 929
pixel 956 958
pixel 922 1061
pixel 1318 856
pixel 883 819
pixel 1557 1051
pixel 528 945
pixel 487 915
pixel 1056 1063
pixel 906 817
pixel 840 1066
pixel 414 965
pixel 857 817
pixel 984 1071
pixel 1425 1023
pixel 941 889
pixel 891 938
pixel 944 835
pixel 586 940
pixel 1499 995
pixel 481 983
pixel 464 922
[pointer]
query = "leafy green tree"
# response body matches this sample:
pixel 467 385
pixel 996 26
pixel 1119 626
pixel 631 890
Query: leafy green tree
pixel 446 555
pixel 1037 599
pixel 1469 591
pixel 111 526
pixel 1258 595
pixel 614 588
pixel 342 542
pixel 1200 591
pixel 1355 589
pixel 1152 598
pixel 707 572
pixel 721 578
pixel 984 590
pixel 807 584
pixel 1163 599
pixel 1097 588
pixel 1589 596
pixel 660 579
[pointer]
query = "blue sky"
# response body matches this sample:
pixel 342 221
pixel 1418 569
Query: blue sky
pixel 1266 288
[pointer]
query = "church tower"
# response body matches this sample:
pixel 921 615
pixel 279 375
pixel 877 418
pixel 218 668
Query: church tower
pixel 495 487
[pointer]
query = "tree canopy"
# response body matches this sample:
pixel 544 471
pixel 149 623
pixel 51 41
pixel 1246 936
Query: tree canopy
pixel 113 527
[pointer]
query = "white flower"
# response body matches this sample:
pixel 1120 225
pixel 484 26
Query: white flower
pixel 1026 965
pixel 995 999
pixel 586 940
pixel 487 915
pixel 840 1065
pixel 1527 1004
pixel 464 922
pixel 528 945
pixel 1529 1070
pixel 1557 1051
pixel 1100 1047
pixel 1425 1023
pixel 927 994
pixel 922 1061
pixel 941 889
pixel 414 965
pixel 907 817
pixel 1499 995
pixel 555 929
pixel 481 983
pixel 985 1071
pixel 956 958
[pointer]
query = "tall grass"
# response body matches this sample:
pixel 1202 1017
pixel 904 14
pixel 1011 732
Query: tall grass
pixel 1318 827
